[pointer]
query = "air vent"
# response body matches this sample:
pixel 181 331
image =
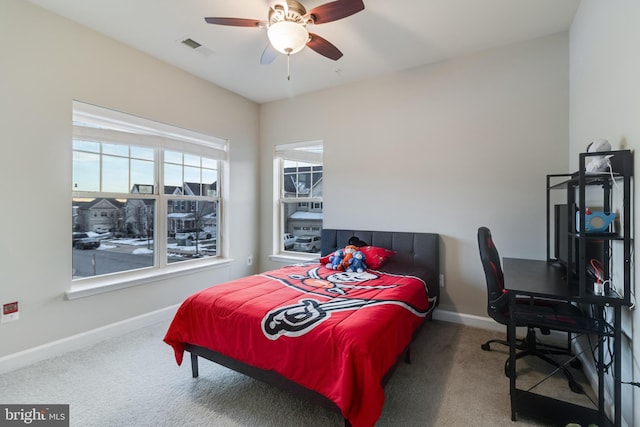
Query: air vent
pixel 191 43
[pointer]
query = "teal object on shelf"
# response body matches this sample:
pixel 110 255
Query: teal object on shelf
pixel 596 221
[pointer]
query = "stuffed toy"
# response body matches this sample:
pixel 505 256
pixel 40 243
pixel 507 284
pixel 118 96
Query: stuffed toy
pixel 348 253
pixel 357 263
pixel 335 260
pixel 598 163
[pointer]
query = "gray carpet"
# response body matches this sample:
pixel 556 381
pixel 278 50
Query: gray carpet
pixel 133 380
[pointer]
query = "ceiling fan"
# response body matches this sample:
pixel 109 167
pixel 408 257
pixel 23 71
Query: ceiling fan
pixel 287 26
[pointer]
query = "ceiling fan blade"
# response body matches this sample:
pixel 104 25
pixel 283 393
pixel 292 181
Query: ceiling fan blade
pixel 236 22
pixel 323 47
pixel 268 55
pixel 335 10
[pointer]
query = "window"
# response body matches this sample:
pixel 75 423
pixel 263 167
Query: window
pixel 147 192
pixel 299 195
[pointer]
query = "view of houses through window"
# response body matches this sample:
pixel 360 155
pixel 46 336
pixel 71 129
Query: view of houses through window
pixel 130 192
pixel 300 190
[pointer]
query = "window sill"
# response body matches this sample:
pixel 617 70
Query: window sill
pixel 95 286
pixel 294 258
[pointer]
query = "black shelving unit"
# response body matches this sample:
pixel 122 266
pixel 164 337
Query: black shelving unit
pixel 582 245
pixel 611 191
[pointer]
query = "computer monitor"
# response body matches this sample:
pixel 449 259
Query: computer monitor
pixel 563 221
pixel 561 236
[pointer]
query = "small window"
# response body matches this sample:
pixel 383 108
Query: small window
pixel 299 192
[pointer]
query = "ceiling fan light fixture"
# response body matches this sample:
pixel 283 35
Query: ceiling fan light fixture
pixel 288 37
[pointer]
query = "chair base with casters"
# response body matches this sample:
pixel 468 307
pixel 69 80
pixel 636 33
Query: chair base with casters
pixel 529 346
pixel 520 345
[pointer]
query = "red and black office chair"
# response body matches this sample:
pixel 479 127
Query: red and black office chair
pixel 498 309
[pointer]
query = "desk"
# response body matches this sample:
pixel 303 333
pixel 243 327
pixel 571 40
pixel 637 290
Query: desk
pixel 534 278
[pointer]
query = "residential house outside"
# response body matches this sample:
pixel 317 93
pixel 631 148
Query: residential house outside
pixel 96 214
pixel 305 217
pixel 134 217
pixel 186 214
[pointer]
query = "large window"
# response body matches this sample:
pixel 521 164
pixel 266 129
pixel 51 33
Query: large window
pixel 299 190
pixel 145 195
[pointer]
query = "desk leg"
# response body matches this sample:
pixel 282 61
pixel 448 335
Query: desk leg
pixel 602 338
pixel 617 368
pixel 511 336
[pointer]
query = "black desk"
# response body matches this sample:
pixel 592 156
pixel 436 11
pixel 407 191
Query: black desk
pixel 534 278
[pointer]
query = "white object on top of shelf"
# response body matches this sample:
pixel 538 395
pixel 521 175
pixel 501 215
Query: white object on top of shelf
pixel 598 163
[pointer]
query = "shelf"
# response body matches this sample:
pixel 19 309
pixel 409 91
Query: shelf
pixel 555 411
pixel 590 179
pixel 599 236
pixel 610 299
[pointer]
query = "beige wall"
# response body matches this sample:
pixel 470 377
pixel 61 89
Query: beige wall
pixel 605 103
pixel 45 63
pixel 441 148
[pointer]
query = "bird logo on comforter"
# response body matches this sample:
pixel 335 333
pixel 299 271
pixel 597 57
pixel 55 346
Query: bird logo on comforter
pixel 330 293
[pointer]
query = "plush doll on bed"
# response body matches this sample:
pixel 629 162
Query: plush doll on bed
pixel 335 260
pixel 348 254
pixel 357 263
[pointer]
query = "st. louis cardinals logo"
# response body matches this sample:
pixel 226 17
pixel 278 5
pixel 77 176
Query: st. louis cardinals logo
pixel 298 319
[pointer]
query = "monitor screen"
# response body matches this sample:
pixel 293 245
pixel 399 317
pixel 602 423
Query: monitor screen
pixel 563 223
pixel 561 238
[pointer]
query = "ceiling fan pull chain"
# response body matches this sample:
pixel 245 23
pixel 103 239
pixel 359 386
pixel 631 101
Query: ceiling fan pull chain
pixel 288 66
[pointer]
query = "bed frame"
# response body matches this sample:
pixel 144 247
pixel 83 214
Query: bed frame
pixel 421 250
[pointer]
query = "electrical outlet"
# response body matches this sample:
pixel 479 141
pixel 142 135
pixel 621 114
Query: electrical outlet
pixel 9 312
pixel 442 280
pixel 250 260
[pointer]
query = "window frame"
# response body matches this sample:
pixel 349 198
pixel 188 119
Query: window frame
pixel 91 122
pixel 293 152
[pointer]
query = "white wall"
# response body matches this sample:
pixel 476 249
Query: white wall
pixel 45 63
pixel 605 103
pixel 442 148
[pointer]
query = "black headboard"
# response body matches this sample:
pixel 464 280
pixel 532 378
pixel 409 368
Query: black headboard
pixel 421 250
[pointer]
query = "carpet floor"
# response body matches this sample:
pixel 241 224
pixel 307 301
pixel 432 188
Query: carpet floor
pixel 133 380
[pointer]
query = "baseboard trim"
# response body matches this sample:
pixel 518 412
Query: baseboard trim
pixel 27 357
pixel 36 354
pixel 469 320
pixel 39 353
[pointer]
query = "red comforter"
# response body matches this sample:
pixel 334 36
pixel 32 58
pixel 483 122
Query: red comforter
pixel 333 332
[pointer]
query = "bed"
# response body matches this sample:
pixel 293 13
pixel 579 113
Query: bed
pixel 329 336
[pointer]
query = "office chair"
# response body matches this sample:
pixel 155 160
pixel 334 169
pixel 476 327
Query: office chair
pixel 498 309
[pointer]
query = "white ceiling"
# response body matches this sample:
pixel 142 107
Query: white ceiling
pixel 387 36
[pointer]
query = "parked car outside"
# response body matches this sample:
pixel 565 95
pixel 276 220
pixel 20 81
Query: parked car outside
pixel 87 243
pixel 289 239
pixel 307 244
pixel 76 236
pixel 191 235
